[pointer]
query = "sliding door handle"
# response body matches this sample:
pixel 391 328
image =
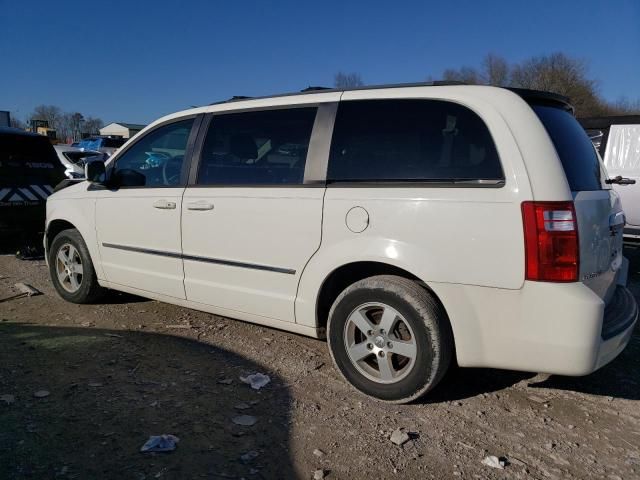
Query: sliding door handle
pixel 164 205
pixel 200 205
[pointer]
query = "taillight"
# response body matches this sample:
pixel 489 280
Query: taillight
pixel 550 241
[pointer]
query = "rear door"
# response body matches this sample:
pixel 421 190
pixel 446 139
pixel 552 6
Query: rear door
pixel 598 209
pixel 252 217
pixel 622 157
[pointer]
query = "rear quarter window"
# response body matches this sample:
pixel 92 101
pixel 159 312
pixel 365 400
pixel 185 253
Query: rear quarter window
pixel 411 141
pixel 574 147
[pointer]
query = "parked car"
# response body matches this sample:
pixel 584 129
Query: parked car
pixel 74 159
pixel 618 141
pixel 405 224
pixel 29 170
pixel 106 145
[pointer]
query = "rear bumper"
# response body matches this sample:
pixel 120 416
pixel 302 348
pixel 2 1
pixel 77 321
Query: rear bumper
pixel 544 327
pixel 619 319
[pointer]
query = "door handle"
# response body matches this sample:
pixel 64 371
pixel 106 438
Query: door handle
pixel 164 205
pixel 200 205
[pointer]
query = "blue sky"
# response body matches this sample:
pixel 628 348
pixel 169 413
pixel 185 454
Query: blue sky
pixel 137 60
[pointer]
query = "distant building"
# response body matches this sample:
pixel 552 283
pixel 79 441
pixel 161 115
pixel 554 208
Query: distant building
pixel 5 118
pixel 124 130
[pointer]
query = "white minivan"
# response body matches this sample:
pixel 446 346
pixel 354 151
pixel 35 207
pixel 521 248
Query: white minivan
pixel 409 225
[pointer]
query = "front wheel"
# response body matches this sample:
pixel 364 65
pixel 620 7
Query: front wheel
pixel 390 338
pixel 71 269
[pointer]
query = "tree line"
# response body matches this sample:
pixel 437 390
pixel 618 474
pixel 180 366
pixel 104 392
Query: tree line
pixel 69 126
pixel 557 72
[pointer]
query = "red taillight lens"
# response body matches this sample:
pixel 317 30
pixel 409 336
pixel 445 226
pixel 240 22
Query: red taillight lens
pixel 550 241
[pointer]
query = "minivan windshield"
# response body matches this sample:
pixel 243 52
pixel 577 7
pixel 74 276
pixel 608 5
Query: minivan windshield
pixel 575 149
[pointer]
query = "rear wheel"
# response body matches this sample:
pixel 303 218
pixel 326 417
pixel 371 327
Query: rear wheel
pixel 71 269
pixel 389 338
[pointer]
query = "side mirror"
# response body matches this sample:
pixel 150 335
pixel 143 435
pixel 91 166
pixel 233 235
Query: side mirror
pixel 95 172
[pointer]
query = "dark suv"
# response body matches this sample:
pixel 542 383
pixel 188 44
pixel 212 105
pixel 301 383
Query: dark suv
pixel 29 170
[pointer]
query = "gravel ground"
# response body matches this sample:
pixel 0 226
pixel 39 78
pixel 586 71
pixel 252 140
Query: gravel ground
pixel 128 368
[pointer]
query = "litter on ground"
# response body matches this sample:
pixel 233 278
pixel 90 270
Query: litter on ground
pixel 256 380
pixel 494 462
pixel 160 443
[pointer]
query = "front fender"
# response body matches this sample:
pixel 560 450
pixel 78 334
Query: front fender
pixel 79 212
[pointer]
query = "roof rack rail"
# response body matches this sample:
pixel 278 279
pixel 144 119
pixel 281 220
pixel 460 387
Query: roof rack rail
pixel 311 88
pixel 235 98
pixel 527 94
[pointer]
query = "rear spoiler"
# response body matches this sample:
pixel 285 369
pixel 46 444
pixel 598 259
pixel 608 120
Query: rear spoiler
pixel 540 97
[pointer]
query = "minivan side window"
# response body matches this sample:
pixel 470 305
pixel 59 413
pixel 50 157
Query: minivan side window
pixel 267 147
pixel 411 140
pixel 156 159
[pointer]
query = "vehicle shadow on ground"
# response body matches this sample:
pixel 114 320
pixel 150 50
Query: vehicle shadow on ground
pixel 462 383
pixel 113 297
pixel 110 390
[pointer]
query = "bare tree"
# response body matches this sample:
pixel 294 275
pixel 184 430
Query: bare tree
pixel 50 113
pixel 561 74
pixel 69 126
pixel 92 125
pixel 347 80
pixel 556 73
pixel 495 70
pixel 624 106
pixel 17 123
pixel 465 74
pixel 64 127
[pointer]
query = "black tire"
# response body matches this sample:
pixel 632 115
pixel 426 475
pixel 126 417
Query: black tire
pixel 430 335
pixel 89 290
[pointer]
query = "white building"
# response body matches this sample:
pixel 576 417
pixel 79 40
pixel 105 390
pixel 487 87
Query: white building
pixel 125 130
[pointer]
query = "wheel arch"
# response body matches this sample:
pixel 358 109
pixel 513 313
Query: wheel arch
pixel 60 219
pixel 344 275
pixel 55 227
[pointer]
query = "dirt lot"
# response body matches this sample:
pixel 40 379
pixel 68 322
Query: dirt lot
pixel 129 368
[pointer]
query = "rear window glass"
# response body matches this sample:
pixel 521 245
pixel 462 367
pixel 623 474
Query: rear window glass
pixel 411 140
pixel 576 152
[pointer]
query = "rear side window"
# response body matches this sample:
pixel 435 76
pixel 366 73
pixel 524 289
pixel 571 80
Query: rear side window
pixel 575 149
pixel 411 140
pixel 257 148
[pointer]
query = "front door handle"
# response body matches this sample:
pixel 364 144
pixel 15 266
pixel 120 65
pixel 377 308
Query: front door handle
pixel 200 205
pixel 164 205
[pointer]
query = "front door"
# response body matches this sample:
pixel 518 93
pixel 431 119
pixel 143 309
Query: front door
pixel 251 222
pixel 138 219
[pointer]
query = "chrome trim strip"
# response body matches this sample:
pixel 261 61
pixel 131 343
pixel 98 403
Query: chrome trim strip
pixel 195 258
pixel 232 263
pixel 142 250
